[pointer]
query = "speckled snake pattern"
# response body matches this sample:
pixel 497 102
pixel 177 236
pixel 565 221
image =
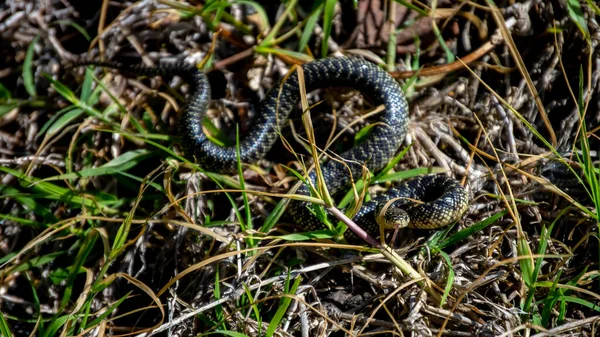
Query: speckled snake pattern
pixel 450 201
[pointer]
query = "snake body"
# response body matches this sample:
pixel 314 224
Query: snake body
pixel 445 198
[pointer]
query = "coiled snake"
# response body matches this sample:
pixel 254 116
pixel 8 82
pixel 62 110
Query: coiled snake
pixel 444 199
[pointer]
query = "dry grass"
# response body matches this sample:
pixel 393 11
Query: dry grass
pixel 106 229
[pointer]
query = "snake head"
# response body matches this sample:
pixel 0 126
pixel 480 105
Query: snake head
pixel 391 217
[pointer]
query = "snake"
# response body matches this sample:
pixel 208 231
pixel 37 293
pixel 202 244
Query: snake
pixel 440 199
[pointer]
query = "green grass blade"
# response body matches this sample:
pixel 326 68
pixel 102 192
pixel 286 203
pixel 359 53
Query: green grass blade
pixel 255 308
pixel 219 314
pixel 526 264
pixel 5 94
pixel 283 306
pixel 257 7
pixel 6 258
pixel 218 14
pixel 227 333
pixel 21 221
pixel 58 122
pixel 395 176
pixel 86 86
pixel 87 245
pixel 4 327
pixel 120 164
pixel 56 324
pixel 107 312
pixel 28 202
pixel 467 232
pixel 54 192
pixel 277 26
pixel 450 280
pixel 33 262
pixel 392 163
pixel 34 295
pixel 6 102
pixel 28 68
pixel 304 236
pixel 65 92
pixel 215 134
pixel 582 302
pixel 77 26
pixel 578 17
pixel 412 6
pixel 594 7
pixel 550 300
pixel 248 221
pixel 278 51
pixel 274 215
pixel 154 185
pixel 327 25
pixel 309 28
pixel 449 54
pixel 280 208
pixel 543 245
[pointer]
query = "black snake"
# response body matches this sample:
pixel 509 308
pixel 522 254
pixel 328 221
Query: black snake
pixel 444 199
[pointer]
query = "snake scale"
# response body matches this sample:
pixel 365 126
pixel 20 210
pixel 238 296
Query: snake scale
pixel 444 199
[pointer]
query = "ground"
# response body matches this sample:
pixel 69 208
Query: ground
pixel 107 227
